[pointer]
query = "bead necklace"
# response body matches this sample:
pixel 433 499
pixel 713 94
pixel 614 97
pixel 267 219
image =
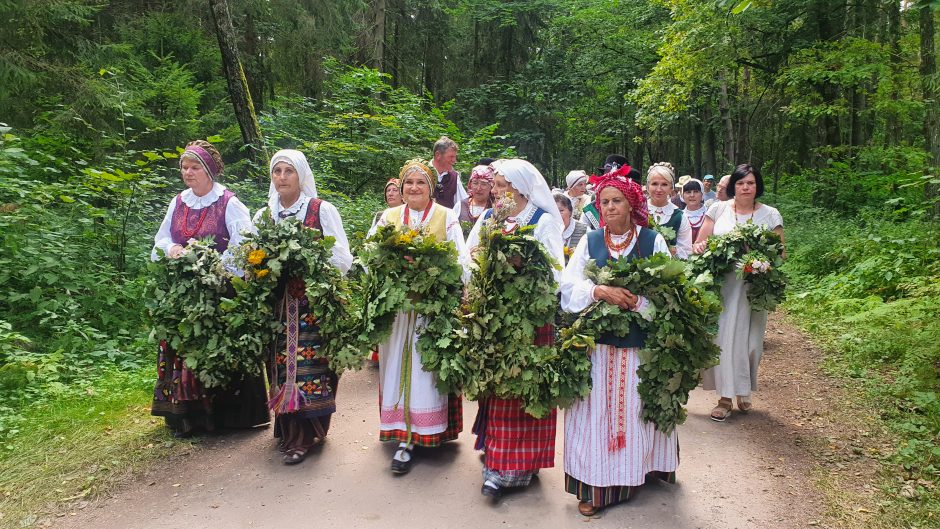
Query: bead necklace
pixel 734 208
pixel 423 217
pixel 618 247
pixel 190 233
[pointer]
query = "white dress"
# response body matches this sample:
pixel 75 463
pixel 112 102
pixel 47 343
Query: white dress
pixel 589 456
pixel 427 408
pixel 740 329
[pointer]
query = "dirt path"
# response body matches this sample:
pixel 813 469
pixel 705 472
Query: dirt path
pixel 756 471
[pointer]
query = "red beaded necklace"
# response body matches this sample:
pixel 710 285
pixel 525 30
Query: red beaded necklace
pixel 423 217
pixel 618 247
pixel 187 233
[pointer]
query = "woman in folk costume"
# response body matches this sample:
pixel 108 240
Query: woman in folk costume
pixel 693 193
pixel 205 209
pixel 660 180
pixel 609 448
pixel 480 187
pixel 412 412
pixel 303 388
pixel 577 181
pixel 740 328
pixel 517 445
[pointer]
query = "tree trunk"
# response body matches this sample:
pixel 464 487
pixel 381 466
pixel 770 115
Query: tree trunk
pixel 697 163
pixel 637 161
pixel 928 72
pixel 237 84
pixel 893 135
pixel 711 158
pixel 725 112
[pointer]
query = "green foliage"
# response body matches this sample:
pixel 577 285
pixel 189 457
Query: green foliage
pixel 680 331
pixel 869 288
pixel 754 254
pixel 185 301
pixel 493 352
pixel 277 260
pixel 408 271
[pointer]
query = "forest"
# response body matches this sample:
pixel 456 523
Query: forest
pixel 835 100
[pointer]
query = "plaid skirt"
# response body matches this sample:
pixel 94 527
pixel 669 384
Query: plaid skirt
pixel 513 439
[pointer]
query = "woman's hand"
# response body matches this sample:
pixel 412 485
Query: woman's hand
pixel 621 297
pixel 175 251
pixel 700 247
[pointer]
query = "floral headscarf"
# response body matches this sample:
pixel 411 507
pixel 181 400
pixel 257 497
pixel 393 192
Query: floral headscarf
pixel 631 190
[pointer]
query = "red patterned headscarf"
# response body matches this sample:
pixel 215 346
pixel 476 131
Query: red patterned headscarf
pixel 631 190
pixel 482 172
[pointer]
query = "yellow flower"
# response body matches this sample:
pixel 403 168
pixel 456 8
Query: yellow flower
pixel 568 251
pixel 405 238
pixel 261 273
pixel 255 257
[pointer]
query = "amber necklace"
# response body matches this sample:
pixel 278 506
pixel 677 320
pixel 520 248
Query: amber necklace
pixel 618 247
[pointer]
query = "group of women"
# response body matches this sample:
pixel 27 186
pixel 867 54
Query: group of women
pixel 609 450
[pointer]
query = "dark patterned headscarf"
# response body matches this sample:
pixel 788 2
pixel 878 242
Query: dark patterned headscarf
pixel 631 190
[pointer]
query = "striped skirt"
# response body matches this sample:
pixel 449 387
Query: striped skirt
pixel 609 448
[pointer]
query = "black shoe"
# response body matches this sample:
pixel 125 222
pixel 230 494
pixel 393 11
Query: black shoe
pixel 491 491
pixel 402 467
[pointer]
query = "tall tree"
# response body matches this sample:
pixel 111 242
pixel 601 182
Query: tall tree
pixel 237 83
pixel 928 76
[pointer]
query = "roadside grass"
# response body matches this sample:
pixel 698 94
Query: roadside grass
pixel 871 300
pixel 74 448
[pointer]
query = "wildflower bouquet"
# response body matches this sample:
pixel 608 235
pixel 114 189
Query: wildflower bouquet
pixel 678 336
pixel 184 300
pixel 288 258
pixel 755 254
pixel 408 270
pixel 511 294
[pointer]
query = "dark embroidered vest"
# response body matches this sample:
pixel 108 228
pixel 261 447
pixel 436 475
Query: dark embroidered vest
pixel 597 250
pixel 674 222
pixel 199 223
pixel 312 218
pixel 446 190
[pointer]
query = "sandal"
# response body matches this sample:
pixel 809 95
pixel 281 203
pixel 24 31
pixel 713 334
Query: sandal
pixel 294 456
pixel 722 411
pixel 744 404
pixel 587 508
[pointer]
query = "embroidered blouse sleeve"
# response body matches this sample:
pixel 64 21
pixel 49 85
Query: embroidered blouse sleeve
pixel 714 211
pixel 237 220
pixel 332 225
pixel 163 240
pixel 548 232
pixel 576 290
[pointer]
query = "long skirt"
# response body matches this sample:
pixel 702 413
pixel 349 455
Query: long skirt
pixel 741 339
pixel 315 382
pixel 411 410
pixel 515 444
pixel 187 405
pixel 609 448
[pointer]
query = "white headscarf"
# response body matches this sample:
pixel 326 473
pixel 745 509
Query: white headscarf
pixel 298 161
pixel 574 177
pixel 696 181
pixel 530 183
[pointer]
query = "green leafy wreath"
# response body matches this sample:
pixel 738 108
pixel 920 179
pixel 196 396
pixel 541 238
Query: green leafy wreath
pixel 185 304
pixel 407 270
pixel 679 341
pixel 288 255
pixel 755 254
pixel 511 294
